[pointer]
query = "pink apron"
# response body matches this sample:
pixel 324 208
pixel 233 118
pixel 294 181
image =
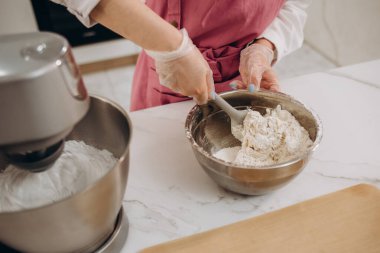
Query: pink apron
pixel 219 28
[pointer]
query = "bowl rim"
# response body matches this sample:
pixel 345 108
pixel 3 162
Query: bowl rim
pixel 310 150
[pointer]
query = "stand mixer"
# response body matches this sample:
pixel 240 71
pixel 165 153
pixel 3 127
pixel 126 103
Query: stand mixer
pixel 43 101
pixel 42 97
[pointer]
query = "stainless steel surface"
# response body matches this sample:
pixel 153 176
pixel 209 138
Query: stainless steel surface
pixel 236 115
pixel 208 130
pixel 116 241
pixel 42 95
pixel 82 222
pixel 113 244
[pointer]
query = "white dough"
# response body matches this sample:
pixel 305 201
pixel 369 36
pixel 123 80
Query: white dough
pixel 273 138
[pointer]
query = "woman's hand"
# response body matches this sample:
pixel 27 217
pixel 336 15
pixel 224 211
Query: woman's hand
pixel 184 70
pixel 179 64
pixel 255 67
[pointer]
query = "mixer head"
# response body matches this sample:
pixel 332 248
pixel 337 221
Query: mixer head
pixel 42 97
pixel 36 161
pixel 34 156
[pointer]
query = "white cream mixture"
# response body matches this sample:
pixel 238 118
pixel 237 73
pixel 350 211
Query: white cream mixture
pixel 266 140
pixel 78 166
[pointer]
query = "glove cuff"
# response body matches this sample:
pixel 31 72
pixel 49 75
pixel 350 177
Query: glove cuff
pixel 264 50
pixel 165 56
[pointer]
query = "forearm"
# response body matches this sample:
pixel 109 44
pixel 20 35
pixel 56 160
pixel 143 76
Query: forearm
pixel 134 20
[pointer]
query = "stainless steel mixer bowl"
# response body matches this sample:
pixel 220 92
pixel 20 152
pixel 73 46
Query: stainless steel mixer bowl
pixel 209 130
pixel 82 222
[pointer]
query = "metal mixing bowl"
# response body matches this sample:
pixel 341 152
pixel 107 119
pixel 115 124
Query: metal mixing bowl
pixel 209 130
pixel 82 222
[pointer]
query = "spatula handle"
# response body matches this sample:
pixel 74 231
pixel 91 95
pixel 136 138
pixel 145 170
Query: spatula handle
pixel 234 114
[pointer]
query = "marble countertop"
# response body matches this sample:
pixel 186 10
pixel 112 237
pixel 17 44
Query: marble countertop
pixel 169 195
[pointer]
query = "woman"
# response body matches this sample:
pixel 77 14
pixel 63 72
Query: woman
pixel 236 43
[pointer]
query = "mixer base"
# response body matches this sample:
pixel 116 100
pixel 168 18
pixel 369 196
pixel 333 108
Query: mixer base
pixel 117 239
pixel 113 244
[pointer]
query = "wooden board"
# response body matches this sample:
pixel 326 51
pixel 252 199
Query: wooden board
pixel 345 221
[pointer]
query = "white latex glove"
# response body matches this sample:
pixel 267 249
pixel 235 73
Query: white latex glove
pixel 255 68
pixel 184 70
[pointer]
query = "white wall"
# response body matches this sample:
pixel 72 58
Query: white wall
pixel 16 16
pixel 345 31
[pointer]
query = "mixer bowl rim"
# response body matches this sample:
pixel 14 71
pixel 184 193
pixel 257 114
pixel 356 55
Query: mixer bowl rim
pixel 311 149
pixel 93 184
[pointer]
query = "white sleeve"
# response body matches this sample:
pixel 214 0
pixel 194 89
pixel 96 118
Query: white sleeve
pixel 286 30
pixel 81 9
